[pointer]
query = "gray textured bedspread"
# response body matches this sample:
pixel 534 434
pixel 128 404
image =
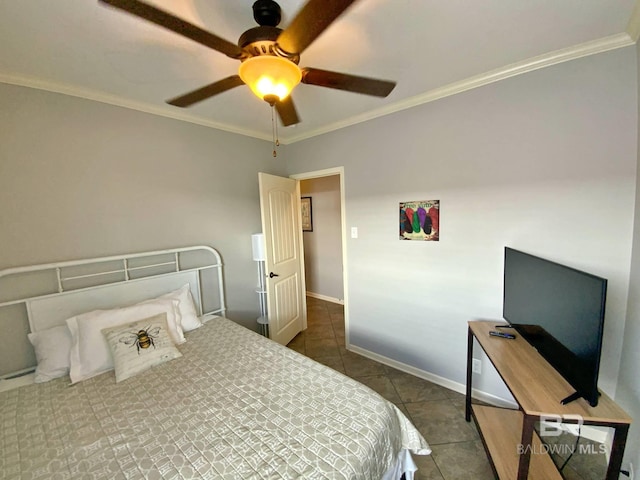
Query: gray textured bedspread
pixel 234 406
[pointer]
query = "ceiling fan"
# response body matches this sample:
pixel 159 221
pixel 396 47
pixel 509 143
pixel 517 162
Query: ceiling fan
pixel 269 55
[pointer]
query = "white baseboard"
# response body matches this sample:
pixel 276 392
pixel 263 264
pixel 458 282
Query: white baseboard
pixel 433 378
pixel 597 434
pixel 325 298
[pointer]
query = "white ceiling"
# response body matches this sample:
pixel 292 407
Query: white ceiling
pixel 431 48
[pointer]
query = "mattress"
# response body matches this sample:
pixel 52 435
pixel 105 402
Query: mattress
pixel 234 406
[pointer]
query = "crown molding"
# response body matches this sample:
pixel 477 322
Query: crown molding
pixel 86 94
pixel 605 44
pixel 535 63
pixel 633 27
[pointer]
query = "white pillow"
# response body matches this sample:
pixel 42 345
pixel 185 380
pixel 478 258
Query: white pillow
pixel 52 348
pixel 90 355
pixel 188 315
pixel 138 346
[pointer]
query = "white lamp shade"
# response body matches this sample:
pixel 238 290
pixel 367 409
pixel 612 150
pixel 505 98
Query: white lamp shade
pixel 258 246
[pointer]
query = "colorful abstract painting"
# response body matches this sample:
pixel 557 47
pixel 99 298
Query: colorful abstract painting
pixel 420 220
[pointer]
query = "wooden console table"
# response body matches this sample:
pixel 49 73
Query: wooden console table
pixel 512 445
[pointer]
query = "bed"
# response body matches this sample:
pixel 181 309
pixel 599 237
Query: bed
pixel 224 402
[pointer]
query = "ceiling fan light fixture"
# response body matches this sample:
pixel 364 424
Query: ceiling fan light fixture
pixel 268 75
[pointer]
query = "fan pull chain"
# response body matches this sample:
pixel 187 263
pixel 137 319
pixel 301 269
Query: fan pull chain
pixel 274 131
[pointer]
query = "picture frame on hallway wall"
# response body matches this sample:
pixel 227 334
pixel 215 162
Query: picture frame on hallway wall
pixel 420 220
pixel 307 215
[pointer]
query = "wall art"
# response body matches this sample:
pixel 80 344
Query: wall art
pixel 307 219
pixel 420 220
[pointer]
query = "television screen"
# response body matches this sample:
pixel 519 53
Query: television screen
pixel 560 311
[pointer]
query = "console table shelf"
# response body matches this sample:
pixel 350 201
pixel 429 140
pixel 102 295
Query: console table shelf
pixel 538 389
pixel 501 431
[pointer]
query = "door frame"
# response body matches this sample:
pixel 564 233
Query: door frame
pixel 328 172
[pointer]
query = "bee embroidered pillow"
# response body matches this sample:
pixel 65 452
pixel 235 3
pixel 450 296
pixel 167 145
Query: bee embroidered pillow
pixel 138 346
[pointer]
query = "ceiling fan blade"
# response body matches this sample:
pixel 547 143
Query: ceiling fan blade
pixel 177 25
pixel 309 23
pixel 350 83
pixel 287 111
pixel 207 91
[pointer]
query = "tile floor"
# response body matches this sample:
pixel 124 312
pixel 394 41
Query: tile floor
pixel 437 412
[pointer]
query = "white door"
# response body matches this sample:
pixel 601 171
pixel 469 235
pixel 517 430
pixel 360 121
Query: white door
pixel 286 302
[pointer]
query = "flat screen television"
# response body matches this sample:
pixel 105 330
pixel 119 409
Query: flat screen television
pixel 560 311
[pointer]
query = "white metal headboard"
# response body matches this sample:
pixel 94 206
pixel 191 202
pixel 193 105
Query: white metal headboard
pixel 51 293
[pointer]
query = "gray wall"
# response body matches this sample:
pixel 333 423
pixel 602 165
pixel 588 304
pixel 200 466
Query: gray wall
pixel 544 162
pixel 82 179
pixel 628 392
pixel 323 246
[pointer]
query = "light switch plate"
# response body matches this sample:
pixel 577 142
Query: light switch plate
pixel 354 232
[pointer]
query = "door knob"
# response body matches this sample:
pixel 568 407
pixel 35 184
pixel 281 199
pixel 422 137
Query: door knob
pixel 271 275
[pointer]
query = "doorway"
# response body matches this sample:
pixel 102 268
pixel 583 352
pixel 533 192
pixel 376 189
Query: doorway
pixel 325 237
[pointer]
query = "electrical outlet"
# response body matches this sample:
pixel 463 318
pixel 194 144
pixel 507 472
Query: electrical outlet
pixel 476 366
